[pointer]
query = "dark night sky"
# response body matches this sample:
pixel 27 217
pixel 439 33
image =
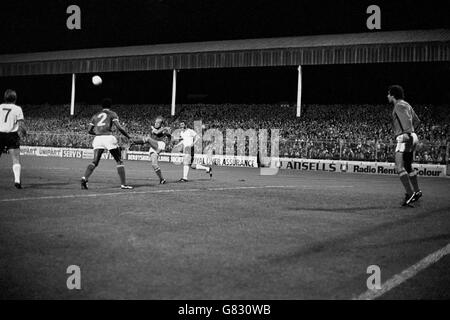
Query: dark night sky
pixel 41 25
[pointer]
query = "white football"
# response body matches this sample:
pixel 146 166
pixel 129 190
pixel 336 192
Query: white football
pixel 96 80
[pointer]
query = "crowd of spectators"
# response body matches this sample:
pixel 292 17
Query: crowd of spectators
pixel 348 132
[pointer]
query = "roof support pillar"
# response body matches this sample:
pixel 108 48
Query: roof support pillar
pixel 174 91
pixel 72 98
pixel 299 92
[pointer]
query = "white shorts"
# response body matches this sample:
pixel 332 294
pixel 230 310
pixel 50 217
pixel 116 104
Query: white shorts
pixel 161 147
pixel 406 142
pixel 105 142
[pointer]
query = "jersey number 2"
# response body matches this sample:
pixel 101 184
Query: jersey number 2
pixel 102 117
pixel 7 113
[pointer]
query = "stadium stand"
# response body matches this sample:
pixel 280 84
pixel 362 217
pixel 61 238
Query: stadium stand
pixel 346 132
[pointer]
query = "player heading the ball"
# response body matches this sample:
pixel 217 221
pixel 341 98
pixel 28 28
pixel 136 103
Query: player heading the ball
pixel 101 126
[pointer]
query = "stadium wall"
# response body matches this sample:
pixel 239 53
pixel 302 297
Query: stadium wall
pixel 380 168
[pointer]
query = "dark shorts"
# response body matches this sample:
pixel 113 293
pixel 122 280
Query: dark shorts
pixel 9 140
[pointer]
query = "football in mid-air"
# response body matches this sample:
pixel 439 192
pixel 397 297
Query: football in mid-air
pixel 96 80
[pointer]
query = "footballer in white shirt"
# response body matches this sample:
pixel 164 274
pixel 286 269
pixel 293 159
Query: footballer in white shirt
pixel 188 138
pixel 11 124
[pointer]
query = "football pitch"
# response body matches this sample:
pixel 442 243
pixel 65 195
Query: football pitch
pixel 240 235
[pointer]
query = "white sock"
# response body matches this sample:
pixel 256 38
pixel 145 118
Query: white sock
pixel 185 172
pixel 200 167
pixel 16 169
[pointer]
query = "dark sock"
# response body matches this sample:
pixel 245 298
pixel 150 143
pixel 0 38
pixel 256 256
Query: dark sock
pixel 414 182
pixel 158 172
pixel 121 172
pixel 90 168
pixel 404 178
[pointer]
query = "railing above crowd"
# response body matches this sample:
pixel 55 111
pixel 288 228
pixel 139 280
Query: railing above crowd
pixel 338 132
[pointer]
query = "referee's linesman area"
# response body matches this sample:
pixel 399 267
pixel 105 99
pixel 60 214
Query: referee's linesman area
pixel 240 235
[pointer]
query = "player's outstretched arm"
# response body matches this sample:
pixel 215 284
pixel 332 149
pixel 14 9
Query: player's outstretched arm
pixel 169 136
pixel 178 142
pixel 22 129
pixel 91 129
pixel 121 129
pixel 138 141
pixel 196 138
pixel 142 140
pixel 160 130
pixel 415 120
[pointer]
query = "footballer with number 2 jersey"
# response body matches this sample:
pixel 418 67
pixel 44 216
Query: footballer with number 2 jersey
pixel 101 126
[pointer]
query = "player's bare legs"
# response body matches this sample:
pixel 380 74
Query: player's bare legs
pixel 198 166
pixel 187 163
pixel 408 158
pixel 91 167
pixel 404 177
pixel 152 142
pixel 16 167
pixel 153 156
pixel 194 166
pixel 120 168
pixel 187 160
pixel 156 168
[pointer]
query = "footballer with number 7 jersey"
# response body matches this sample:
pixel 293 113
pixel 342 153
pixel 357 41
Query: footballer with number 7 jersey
pixel 101 126
pixel 11 122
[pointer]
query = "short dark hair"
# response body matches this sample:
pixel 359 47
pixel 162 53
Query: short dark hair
pixel 396 91
pixel 106 103
pixel 10 96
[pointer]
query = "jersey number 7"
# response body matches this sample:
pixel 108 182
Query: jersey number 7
pixel 7 113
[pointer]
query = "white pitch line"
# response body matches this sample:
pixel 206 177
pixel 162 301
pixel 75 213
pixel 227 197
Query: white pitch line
pixel 138 192
pixel 405 275
pixel 87 195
